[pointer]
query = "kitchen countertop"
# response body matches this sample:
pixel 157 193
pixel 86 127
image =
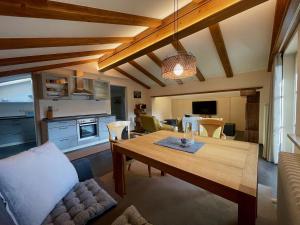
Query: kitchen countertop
pixel 15 117
pixel 75 117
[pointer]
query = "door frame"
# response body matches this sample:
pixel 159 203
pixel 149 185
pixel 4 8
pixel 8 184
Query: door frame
pixel 125 100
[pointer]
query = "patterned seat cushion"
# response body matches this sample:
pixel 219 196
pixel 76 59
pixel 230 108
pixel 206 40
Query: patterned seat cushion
pixel 131 216
pixel 86 201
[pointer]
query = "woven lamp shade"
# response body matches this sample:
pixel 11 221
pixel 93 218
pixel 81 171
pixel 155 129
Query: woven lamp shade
pixel 179 66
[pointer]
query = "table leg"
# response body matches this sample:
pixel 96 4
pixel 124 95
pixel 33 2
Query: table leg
pixel 247 207
pixel 119 173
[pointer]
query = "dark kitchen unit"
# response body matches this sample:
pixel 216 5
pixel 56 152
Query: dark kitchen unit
pixel 17 123
pixel 77 132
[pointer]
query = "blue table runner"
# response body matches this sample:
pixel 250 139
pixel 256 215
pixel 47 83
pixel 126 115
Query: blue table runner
pixel 175 143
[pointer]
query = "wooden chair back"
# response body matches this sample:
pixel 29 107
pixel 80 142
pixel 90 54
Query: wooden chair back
pixel 211 125
pixel 116 128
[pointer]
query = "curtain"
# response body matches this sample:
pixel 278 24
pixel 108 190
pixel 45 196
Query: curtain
pixel 274 129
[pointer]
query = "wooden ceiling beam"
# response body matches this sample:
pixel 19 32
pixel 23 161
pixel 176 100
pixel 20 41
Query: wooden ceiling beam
pixel 155 59
pixel 131 77
pixel 48 57
pixel 191 18
pixel 18 43
pixel 180 48
pixel 217 37
pixel 147 73
pixel 64 11
pixel 158 62
pixel 45 67
pixel 286 20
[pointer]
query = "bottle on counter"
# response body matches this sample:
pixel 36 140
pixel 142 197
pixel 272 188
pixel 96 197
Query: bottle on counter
pixel 50 112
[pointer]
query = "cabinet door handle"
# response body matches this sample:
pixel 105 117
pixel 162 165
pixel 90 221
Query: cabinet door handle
pixel 65 127
pixel 64 139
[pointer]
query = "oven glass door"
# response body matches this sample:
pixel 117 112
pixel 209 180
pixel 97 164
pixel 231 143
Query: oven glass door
pixel 88 130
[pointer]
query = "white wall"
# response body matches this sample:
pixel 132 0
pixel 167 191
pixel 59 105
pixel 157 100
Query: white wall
pixel 162 108
pixel 84 107
pixel 253 79
pixel 230 106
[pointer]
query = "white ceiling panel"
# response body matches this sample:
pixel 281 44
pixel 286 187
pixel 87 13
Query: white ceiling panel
pixel 248 37
pixel 202 47
pixel 137 74
pixel 154 8
pixel 165 52
pixel 28 65
pixel 19 27
pixel 53 50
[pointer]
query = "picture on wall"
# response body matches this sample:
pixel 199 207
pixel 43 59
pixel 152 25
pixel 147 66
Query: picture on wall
pixel 137 94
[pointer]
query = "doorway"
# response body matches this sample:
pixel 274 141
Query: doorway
pixel 118 101
pixel 17 126
pixel 252 118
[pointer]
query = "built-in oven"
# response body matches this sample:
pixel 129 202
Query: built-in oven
pixel 87 128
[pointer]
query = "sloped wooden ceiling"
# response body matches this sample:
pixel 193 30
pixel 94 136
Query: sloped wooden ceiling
pixel 40 34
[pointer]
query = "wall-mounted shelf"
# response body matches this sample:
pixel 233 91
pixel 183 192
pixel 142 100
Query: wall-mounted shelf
pixel 57 86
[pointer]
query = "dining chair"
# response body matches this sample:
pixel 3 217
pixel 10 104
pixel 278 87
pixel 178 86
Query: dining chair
pixel 116 130
pixel 211 128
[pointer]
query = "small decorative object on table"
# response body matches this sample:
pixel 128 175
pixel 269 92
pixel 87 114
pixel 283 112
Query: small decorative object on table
pixel 188 135
pixel 181 144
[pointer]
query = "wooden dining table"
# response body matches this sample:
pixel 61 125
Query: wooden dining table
pixel 226 168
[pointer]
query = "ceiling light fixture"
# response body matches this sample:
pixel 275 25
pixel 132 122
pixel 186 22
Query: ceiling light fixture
pixel 181 65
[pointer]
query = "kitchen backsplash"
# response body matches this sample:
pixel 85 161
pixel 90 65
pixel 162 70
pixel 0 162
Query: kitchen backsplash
pixel 75 107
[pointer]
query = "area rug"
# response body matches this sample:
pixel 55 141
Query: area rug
pixel 170 201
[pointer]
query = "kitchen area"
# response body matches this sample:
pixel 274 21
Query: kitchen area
pixel 70 109
pixel 17 126
pixel 75 110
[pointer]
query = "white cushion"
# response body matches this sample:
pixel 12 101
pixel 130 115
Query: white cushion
pixel 34 181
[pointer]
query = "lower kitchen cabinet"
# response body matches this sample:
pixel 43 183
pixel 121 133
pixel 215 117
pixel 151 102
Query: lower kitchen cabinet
pixel 64 134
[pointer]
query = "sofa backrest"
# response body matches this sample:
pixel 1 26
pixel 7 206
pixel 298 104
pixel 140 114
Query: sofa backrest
pixel 84 171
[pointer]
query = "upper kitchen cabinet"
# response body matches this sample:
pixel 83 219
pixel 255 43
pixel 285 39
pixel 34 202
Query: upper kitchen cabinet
pixel 92 89
pixel 56 86
pixel 101 90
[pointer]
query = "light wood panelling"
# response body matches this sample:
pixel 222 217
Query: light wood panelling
pixel 286 20
pixel 217 37
pixel 17 43
pixel 64 11
pixel 46 67
pixel 41 58
pixel 197 17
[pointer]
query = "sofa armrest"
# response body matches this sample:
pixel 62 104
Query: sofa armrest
pixel 83 168
pixel 167 127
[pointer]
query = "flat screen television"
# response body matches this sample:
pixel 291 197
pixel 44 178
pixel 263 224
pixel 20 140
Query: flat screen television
pixel 205 108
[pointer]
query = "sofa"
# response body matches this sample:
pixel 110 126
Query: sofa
pixel 151 124
pixel 86 202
